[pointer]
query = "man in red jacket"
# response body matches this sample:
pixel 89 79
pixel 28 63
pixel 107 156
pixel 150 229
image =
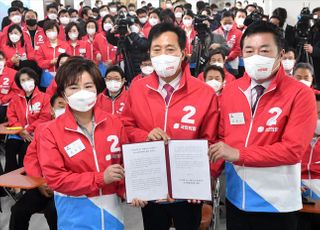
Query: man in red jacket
pixel 170 103
pixel 267 121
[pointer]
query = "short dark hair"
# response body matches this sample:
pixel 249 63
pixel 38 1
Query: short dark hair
pixel 145 56
pixel 161 28
pixel 167 16
pixel 85 11
pixel 189 13
pixel 30 72
pixel 227 14
pixel 282 15
pixel 69 27
pixel 276 17
pixel 141 11
pixel 178 6
pixel 240 11
pixel 53 99
pixel 216 68
pixel 187 6
pixel 62 55
pixel 17 3
pixel 117 69
pixel 63 11
pixel 264 27
pixel 91 21
pixel 132 5
pixel 52 6
pixel 105 18
pixel 72 10
pixel 155 11
pixel 13 9
pixel 50 24
pixel 290 49
pixel 11 28
pixel 217 51
pixel 70 72
pixel 32 11
pixel 316 10
pixel 303 65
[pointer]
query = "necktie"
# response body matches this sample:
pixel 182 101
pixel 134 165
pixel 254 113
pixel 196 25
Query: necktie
pixel 259 90
pixel 169 90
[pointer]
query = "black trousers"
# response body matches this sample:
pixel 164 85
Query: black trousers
pixel 241 220
pixel 14 147
pixel 309 221
pixel 183 215
pixel 32 202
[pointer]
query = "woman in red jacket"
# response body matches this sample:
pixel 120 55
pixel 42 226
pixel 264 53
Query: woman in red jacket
pixel 84 144
pixel 92 31
pixel 26 110
pixel 77 46
pixel 15 49
pixel 113 98
pixel 48 53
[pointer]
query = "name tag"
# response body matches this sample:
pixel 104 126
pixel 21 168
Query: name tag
pixel 82 51
pixel 236 119
pixel 4 91
pixel 74 148
pixel 60 50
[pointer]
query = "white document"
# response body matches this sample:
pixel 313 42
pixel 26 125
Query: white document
pixel 145 171
pixel 190 170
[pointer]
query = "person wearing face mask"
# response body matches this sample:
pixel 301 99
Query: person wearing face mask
pixel 92 31
pixel 169 94
pixel 48 53
pixel 188 27
pixel 304 73
pixel 178 13
pixel 74 15
pixel 7 85
pixel 135 44
pixel 41 198
pixel 27 110
pixel 142 17
pixel 261 132
pixel 103 11
pixel 33 34
pixel 113 9
pixel 64 19
pixel 145 66
pixel 85 144
pixel 6 20
pixel 154 19
pixel 289 60
pixel 229 31
pixel 52 14
pixel 15 17
pixel 132 9
pixel 114 97
pixel 78 47
pixel 218 58
pixel 15 49
pixel 214 76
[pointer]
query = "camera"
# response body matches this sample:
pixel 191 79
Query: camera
pixel 201 27
pixel 122 22
pixel 305 23
pixel 253 17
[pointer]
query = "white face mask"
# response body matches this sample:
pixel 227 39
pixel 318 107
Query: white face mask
pixel 147 70
pixel 227 27
pixel 168 5
pixel 135 29
pixel 91 31
pixel 82 101
pixel 216 85
pixel 113 86
pixel 187 22
pixel 16 19
pixel 166 65
pixel 59 112
pixel 74 19
pixel 240 22
pixel 143 20
pixel 103 13
pixel 153 21
pixel 73 36
pixel 107 26
pixel 219 64
pixel 2 64
pixel 307 83
pixel 113 10
pixel 288 64
pixel 14 37
pixel 317 131
pixel 64 20
pixel 132 13
pixel 52 35
pixel 28 86
pixel 178 14
pixel 259 67
pixel 52 16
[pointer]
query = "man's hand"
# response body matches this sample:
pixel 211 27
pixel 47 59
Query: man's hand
pixel 54 61
pixel 15 59
pixel 214 46
pixel 98 57
pixel 157 134
pixel 25 135
pixel 113 173
pixel 308 48
pixel 221 150
pixel 139 203
pixel 45 191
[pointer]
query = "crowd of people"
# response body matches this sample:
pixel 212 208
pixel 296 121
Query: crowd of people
pixel 80 83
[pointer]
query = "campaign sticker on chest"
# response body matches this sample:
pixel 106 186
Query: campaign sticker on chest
pixel 74 148
pixel 60 50
pixel 4 91
pixel 236 118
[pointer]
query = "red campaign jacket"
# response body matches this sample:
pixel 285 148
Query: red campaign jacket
pixel 46 53
pixel 192 112
pixel 101 46
pixel 89 47
pixel 115 106
pixel 52 88
pixel 8 87
pixel 31 161
pixel 285 111
pixel 228 77
pixel 29 114
pixel 80 49
pixel 4 37
pixel 39 38
pixel 310 164
pixel 81 173
pixel 61 34
pixel 136 78
pixel 233 40
pixel 189 40
pixel 146 29
pixel 25 52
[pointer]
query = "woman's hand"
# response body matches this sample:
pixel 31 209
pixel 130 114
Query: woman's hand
pixel 113 173
pixel 25 135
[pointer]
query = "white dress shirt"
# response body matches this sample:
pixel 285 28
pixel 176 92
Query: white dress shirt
pixel 174 83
